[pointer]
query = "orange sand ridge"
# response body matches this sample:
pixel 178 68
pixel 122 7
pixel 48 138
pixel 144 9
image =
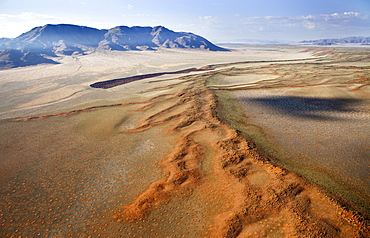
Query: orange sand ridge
pixel 260 191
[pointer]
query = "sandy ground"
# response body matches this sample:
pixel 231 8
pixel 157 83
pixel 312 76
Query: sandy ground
pixel 48 88
pixel 159 157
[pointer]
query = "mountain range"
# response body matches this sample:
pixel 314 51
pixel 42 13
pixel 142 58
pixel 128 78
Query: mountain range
pixel 347 40
pixel 39 44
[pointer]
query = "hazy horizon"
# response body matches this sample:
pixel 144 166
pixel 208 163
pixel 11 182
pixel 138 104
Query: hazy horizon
pixel 218 21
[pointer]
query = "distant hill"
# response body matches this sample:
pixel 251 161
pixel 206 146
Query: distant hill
pixel 64 39
pixel 347 40
pixel 3 41
pixel 57 39
pixel 15 58
pixel 150 38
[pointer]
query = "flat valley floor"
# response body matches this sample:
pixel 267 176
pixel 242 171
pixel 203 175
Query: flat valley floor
pixel 262 141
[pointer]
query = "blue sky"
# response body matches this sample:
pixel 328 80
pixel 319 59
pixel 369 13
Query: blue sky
pixel 219 21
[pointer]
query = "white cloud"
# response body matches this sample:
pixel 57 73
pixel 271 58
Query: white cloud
pixel 129 6
pixel 207 19
pixel 14 25
pixel 141 15
pixel 309 25
pixel 335 17
pixel 347 21
pixel 27 16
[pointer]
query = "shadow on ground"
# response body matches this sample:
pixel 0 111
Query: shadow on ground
pixel 309 107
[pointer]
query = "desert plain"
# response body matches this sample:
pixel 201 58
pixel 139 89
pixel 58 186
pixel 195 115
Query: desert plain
pixel 261 141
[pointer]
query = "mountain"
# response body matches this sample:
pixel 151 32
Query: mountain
pixel 144 38
pixel 57 39
pixel 15 58
pixel 64 39
pixel 3 41
pixel 347 40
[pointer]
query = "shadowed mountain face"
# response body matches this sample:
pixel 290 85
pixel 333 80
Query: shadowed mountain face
pixel 63 39
pixel 16 58
pixel 127 38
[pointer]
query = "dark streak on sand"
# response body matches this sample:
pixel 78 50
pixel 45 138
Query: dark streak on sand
pixel 116 82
